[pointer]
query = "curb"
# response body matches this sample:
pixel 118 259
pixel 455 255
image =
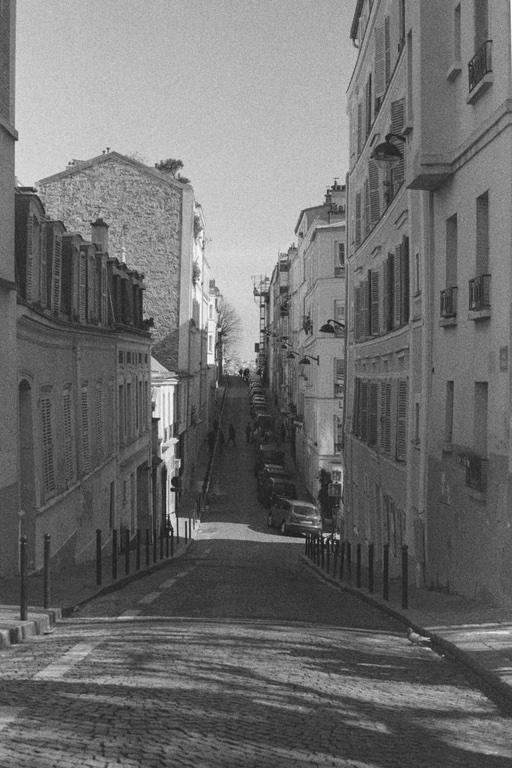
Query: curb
pixel 498 689
pixel 13 631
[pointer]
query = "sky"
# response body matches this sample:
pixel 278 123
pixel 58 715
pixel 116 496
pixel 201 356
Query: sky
pixel 249 94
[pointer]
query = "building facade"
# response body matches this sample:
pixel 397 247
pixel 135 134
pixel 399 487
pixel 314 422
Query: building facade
pixel 83 373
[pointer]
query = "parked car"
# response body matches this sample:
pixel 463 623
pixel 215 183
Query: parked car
pixel 271 470
pixel 295 516
pixel 267 454
pixel 273 487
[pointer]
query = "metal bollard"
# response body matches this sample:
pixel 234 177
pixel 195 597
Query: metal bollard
pixel 328 557
pixel 177 528
pixel 167 542
pixel 358 565
pixel 349 562
pixel 161 544
pixel 322 552
pixel 385 573
pixel 148 544
pixel 186 532
pixel 98 557
pixel 114 554
pixel 172 541
pixel 405 576
pixel 137 551
pixel 342 559
pixel 23 579
pixel 127 551
pixel 371 555
pixel 46 571
pixel 155 545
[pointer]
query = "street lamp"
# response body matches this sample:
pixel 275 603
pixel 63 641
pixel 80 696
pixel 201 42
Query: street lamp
pixel 328 328
pixel 387 154
pixel 305 360
pixel 292 355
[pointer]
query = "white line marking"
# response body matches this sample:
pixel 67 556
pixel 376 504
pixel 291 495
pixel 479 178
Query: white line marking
pixel 8 715
pixel 58 669
pixel 149 598
pixel 167 584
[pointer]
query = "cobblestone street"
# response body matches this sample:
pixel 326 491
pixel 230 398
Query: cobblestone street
pixel 237 654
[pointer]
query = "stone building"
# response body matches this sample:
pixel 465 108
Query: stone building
pixel 83 388
pixel 9 487
pixel 157 228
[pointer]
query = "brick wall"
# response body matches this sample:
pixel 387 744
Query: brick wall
pixel 144 218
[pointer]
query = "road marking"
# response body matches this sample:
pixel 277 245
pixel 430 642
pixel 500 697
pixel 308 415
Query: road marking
pixel 167 584
pixel 57 669
pixel 149 598
pixel 8 715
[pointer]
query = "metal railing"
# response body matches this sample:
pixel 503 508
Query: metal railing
pixel 449 302
pixel 480 292
pixel 480 65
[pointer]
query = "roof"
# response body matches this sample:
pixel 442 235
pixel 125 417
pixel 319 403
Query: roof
pixel 159 371
pixel 105 157
pixel 311 214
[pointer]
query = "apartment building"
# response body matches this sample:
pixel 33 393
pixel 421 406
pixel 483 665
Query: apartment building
pixel 83 374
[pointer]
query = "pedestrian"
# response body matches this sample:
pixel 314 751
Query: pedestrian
pixel 211 441
pixel 222 440
pixel 248 432
pixel 241 372
pixel 232 436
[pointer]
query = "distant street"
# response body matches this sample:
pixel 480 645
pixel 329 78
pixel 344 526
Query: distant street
pixel 236 654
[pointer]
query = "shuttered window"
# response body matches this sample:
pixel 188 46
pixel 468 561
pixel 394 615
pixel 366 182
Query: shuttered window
pixel 405 280
pixel 99 423
pixel 69 446
pixel 401 421
pixel 374 302
pixel 104 294
pixel 44 266
pixel 359 128
pixel 358 218
pixel 387 50
pixel 363 412
pixel 385 416
pixel 110 418
pixel 373 406
pixel 56 272
pixel 373 178
pixel 48 455
pixel 379 65
pixel 30 261
pixel 367 220
pixel 86 445
pixel 368 94
pixel 357 313
pixel 82 286
pixel 397 127
pixel 397 318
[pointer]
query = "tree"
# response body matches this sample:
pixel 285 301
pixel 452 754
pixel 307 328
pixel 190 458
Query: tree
pixel 229 332
pixel 173 167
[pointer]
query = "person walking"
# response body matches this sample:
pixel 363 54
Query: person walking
pixel 248 432
pixel 232 436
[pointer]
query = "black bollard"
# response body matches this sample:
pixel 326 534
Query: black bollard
pixel 370 568
pixel 349 562
pixel 328 557
pixel 161 544
pixel 322 552
pixel 127 551
pixel 177 527
pixel 155 545
pixel 385 573
pixel 137 551
pixel 98 557
pixel 114 554
pixel 342 559
pixel 23 579
pixel 148 545
pixel 186 533
pixel 46 571
pixel 172 541
pixel 405 576
pixel 167 542
pixel 358 565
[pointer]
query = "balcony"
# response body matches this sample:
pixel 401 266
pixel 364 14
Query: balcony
pixel 480 297
pixel 476 473
pixel 480 72
pixel 448 309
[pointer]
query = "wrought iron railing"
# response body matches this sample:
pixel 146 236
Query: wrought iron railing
pixel 480 64
pixel 449 302
pixel 480 292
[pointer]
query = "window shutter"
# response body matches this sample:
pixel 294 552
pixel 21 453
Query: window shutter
pixel 368 104
pixel 358 218
pixel 364 412
pixel 99 422
pixel 374 302
pixel 404 266
pixel 397 126
pixel 367 221
pixel 401 422
pixel 385 298
pixel 110 418
pixel 90 287
pixel 86 447
pixel 373 412
pixel 387 50
pixel 385 416
pixel 482 234
pixel 380 64
pixel 359 128
pixel 56 272
pixel 365 307
pixel 83 285
pixel 68 436
pixel 390 291
pixel 397 297
pixel 357 312
pixel 44 266
pixel 48 459
pixel 373 177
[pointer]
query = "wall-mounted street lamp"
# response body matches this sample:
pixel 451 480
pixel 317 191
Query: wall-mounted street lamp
pixel 292 355
pixel 305 360
pixel 328 328
pixel 387 154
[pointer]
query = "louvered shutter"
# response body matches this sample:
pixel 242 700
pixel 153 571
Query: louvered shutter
pixel 68 436
pixel 44 266
pixel 397 126
pixel 373 404
pixel 99 422
pixel 56 272
pixel 364 308
pixel 368 105
pixel 401 421
pixel 363 411
pixel 387 50
pixel 359 128
pixel 86 446
pixel 385 416
pixel 30 260
pixel 397 293
pixel 373 178
pixel 367 221
pixel 110 418
pixel 357 312
pixel 358 218
pixel 374 302
pixel 482 234
pixel 405 277
pixel 390 291
pixel 90 287
pixel 82 285
pixel 380 64
pixel 48 459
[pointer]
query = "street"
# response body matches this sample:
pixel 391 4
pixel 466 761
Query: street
pixel 237 654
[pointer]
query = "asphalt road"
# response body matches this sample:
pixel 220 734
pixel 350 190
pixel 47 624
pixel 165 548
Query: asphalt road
pixel 236 654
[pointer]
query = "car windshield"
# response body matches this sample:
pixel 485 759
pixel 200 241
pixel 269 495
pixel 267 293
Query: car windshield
pixel 306 511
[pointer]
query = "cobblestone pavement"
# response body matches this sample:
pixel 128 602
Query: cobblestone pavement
pixel 237 654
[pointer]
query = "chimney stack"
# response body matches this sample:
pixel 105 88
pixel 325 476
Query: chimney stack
pixel 99 234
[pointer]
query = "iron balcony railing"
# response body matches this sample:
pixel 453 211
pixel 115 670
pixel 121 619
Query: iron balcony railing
pixel 480 64
pixel 480 292
pixel 449 302
pixel 476 473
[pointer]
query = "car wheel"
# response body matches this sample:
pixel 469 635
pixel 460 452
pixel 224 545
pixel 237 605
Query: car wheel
pixel 270 520
pixel 284 529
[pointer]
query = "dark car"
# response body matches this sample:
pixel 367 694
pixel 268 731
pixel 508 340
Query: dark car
pixel 268 455
pixel 295 516
pixel 271 470
pixel 275 487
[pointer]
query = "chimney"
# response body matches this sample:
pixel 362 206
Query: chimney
pixel 99 234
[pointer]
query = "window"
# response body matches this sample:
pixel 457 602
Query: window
pixel 451 251
pixel 68 436
pixel 339 259
pixel 481 30
pixel 128 412
pixel 121 415
pixel 86 446
pixel 482 234
pixel 56 273
pixel 82 294
pixel 48 455
pixel 401 421
pixel 339 316
pixel 339 377
pixel 448 418
pixel 110 418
